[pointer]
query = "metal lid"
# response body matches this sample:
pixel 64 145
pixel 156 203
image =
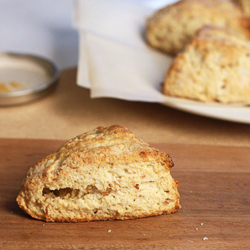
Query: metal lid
pixel 25 77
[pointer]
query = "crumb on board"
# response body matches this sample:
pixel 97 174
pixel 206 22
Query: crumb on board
pixel 205 238
pixel 109 231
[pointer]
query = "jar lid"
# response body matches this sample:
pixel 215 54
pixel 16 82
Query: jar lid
pixel 25 77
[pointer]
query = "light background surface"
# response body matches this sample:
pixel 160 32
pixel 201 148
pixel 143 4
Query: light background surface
pixel 41 27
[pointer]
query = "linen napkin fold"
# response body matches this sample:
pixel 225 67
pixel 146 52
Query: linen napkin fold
pixel 114 58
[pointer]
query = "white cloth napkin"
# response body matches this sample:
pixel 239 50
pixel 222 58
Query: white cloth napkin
pixel 114 59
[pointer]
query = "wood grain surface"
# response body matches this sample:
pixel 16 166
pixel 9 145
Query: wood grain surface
pixel 215 199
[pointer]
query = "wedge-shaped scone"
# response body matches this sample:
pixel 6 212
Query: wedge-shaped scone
pixel 215 66
pixel 105 174
pixel 172 27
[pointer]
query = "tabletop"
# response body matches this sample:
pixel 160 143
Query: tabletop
pixel 214 195
pixel 211 159
pixel 70 111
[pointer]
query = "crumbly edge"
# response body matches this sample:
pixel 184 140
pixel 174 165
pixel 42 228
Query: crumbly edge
pixel 50 169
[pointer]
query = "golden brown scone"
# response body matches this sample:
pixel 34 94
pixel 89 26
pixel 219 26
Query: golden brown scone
pixel 215 66
pixel 245 5
pixel 105 174
pixel 172 27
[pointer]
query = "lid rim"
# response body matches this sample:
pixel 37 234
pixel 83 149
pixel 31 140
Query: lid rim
pixel 22 96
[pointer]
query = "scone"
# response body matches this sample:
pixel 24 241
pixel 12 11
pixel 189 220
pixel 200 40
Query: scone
pixel 105 174
pixel 215 66
pixel 172 27
pixel 245 5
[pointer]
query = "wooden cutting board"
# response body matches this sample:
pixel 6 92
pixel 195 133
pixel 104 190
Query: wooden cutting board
pixel 215 199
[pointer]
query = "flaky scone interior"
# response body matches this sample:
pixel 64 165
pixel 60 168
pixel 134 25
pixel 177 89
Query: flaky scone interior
pixel 105 174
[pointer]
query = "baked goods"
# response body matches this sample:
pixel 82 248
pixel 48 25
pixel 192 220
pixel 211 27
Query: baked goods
pixel 105 174
pixel 245 5
pixel 215 66
pixel 172 27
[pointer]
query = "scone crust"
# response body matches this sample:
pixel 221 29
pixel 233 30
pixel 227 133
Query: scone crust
pixel 245 6
pixel 95 155
pixel 173 26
